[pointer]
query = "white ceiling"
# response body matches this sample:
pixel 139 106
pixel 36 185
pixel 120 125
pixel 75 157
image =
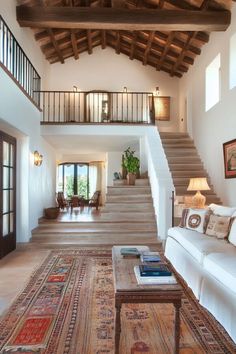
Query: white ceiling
pixel 81 144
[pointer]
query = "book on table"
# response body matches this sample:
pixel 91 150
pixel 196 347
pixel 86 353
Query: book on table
pixel 150 257
pixel 153 280
pixel 159 270
pixel 130 252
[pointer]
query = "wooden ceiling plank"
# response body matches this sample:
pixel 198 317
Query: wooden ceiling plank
pixel 103 39
pixel 121 19
pixel 133 45
pixel 89 39
pixel 149 44
pixel 54 42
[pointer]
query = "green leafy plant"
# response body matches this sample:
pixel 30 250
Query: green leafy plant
pixel 131 162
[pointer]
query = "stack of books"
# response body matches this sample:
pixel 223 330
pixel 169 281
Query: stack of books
pixel 149 256
pixel 154 274
pixel 130 252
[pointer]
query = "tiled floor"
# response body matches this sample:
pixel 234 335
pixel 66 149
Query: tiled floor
pixel 15 270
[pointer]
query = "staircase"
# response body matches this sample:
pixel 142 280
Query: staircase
pixel 184 163
pixel 127 218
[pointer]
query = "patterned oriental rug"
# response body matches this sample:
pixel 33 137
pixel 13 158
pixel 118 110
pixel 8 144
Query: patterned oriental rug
pixel 68 307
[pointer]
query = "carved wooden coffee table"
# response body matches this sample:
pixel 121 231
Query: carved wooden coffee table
pixel 127 290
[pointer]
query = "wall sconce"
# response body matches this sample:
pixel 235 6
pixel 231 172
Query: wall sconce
pixel 75 88
pixel 156 93
pixel 124 89
pixel 38 159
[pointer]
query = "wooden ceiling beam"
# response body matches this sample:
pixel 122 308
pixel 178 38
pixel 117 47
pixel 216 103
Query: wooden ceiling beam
pixel 165 51
pixel 191 36
pixel 122 19
pixel 103 39
pixel 149 44
pixel 89 38
pixel 54 42
pixel 158 48
pixel 138 56
pixel 66 40
pixel 177 42
pixel 133 45
pixel 140 47
pixel 69 52
pixel 74 44
pixel 117 42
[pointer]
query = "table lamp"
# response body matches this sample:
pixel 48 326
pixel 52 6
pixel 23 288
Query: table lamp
pixel 198 184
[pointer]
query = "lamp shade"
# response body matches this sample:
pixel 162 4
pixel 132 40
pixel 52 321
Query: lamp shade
pixel 198 184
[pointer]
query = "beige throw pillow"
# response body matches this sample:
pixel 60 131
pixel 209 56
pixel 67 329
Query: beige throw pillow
pixel 218 226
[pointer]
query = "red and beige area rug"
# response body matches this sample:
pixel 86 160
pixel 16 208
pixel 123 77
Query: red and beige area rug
pixel 68 308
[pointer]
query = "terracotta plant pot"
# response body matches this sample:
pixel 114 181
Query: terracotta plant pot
pixel 51 213
pixel 131 177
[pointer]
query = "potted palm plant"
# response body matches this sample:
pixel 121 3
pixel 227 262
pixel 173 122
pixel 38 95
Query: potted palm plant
pixel 131 164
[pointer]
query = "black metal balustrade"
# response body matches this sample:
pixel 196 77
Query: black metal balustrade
pixel 96 107
pixel 15 62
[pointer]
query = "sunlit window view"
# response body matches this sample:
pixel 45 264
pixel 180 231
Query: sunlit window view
pixel 232 62
pixel 72 179
pixel 212 83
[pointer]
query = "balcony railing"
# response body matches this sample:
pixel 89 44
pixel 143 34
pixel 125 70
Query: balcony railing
pixel 65 107
pixel 17 65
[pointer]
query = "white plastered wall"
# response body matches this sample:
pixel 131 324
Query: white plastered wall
pixel 105 70
pixel 20 118
pixel 218 125
pixel 35 185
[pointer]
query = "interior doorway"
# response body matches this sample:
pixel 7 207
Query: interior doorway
pixel 7 194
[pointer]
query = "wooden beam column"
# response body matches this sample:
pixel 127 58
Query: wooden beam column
pixel 149 44
pixel 122 19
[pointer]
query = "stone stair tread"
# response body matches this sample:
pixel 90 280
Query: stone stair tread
pixel 185 163
pixel 138 182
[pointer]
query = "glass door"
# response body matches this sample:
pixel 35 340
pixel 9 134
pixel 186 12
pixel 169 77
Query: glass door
pixel 73 179
pixel 7 194
pixel 82 180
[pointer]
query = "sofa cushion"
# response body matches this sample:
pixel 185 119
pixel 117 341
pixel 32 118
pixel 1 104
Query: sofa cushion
pixel 197 244
pixel 232 233
pixel 195 219
pixel 222 210
pixel 222 266
pixel 218 226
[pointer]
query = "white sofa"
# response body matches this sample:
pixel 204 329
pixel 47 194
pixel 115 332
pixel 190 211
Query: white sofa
pixel 208 265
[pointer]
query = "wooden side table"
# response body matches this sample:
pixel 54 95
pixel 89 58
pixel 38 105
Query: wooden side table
pixel 127 290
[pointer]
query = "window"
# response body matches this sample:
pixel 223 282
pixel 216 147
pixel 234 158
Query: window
pixel 213 83
pixel 73 179
pixel 232 62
